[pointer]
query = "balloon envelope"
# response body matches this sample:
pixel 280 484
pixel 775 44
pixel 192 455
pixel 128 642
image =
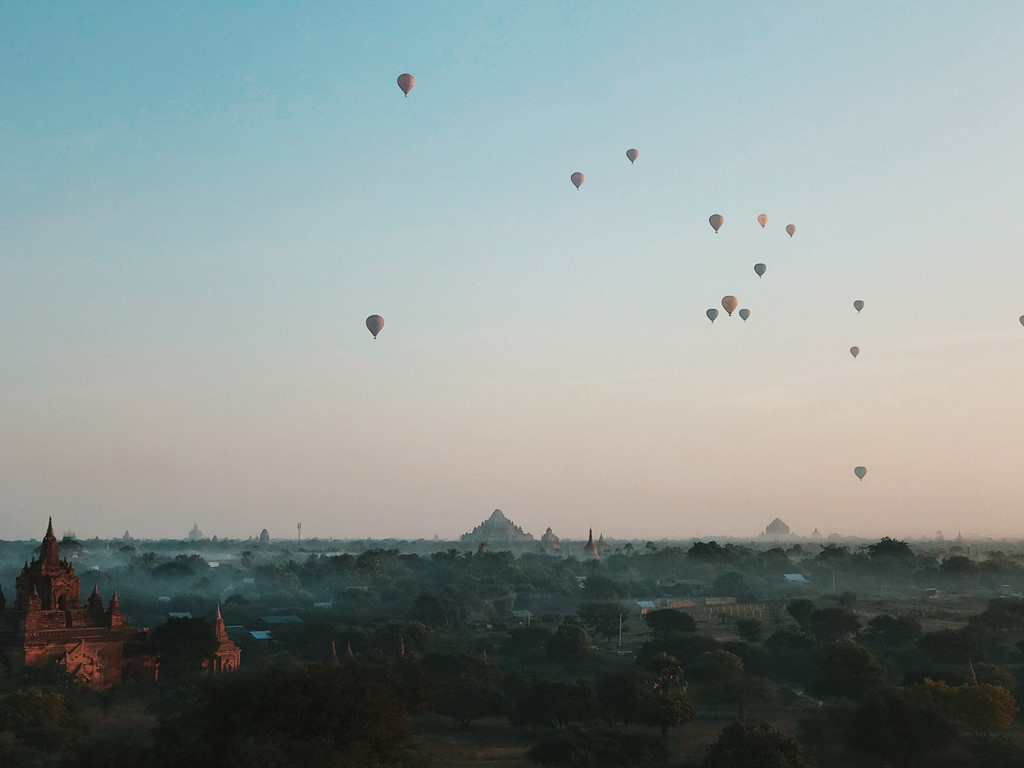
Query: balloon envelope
pixel 406 82
pixel 716 221
pixel 729 303
pixel 712 314
pixel 1022 319
pixel 791 229
pixel 374 323
pixel 858 305
pixel 860 472
pixel 760 269
pixel 632 154
pixel 762 219
pixel 744 313
pixel 854 351
pixel 577 179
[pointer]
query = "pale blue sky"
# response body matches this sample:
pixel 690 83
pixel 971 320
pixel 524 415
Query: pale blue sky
pixel 199 208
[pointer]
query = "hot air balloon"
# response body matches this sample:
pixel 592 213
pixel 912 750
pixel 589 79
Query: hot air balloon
pixel 712 314
pixel 744 313
pixel 729 303
pixel 577 179
pixel 791 229
pixel 406 82
pixel 1022 319
pixel 762 219
pixel 854 351
pixel 858 305
pixel 760 269
pixel 632 154
pixel 860 472
pixel 374 323
pixel 716 220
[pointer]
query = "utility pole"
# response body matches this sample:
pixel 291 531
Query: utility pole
pixel 620 631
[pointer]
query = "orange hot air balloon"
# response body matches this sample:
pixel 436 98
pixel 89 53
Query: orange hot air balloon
pixel 406 82
pixel 791 229
pixel 716 221
pixel 632 154
pixel 712 314
pixel 855 351
pixel 374 323
pixel 762 219
pixel 860 472
pixel 729 303
pixel 577 179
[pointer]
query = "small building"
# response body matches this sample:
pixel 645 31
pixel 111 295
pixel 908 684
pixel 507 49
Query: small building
pixel 266 623
pixel 795 579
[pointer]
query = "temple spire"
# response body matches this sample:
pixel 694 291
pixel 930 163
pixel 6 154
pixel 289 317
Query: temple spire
pixel 48 551
pixel 218 626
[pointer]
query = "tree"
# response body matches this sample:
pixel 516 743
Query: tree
pixel 603 618
pixel 749 629
pixel 719 675
pixel 555 705
pixel 185 644
pixel 801 611
pixel 661 698
pixel 466 701
pixel 830 624
pixel 981 708
pixel 755 744
pixel 348 716
pixel 894 630
pixel 899 727
pixel 581 748
pixel 850 670
pixel 668 621
pixel 570 641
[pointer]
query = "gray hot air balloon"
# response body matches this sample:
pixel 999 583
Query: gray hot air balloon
pixel 374 323
pixel 791 229
pixel 632 154
pixel 406 82
pixel 858 305
pixel 577 179
pixel 1022 319
pixel 712 314
pixel 762 219
pixel 744 313
pixel 760 269
pixel 860 472
pixel 716 221
pixel 854 351
pixel 729 303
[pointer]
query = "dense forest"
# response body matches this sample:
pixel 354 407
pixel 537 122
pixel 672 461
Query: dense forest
pixel 654 654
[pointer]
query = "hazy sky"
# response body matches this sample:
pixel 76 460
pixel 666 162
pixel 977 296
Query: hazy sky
pixel 201 203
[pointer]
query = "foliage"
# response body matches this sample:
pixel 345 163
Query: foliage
pixel 184 645
pixel 603 618
pixel 555 705
pixel 800 611
pixel 899 727
pixel 569 642
pixel 749 629
pixel 755 744
pixel 344 717
pixel 850 670
pixel 668 621
pixel 581 748
pixel 830 624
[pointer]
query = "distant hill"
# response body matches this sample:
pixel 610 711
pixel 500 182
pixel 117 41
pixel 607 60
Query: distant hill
pixel 497 529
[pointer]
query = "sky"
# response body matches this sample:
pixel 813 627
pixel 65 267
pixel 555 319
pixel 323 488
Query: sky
pixel 200 205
